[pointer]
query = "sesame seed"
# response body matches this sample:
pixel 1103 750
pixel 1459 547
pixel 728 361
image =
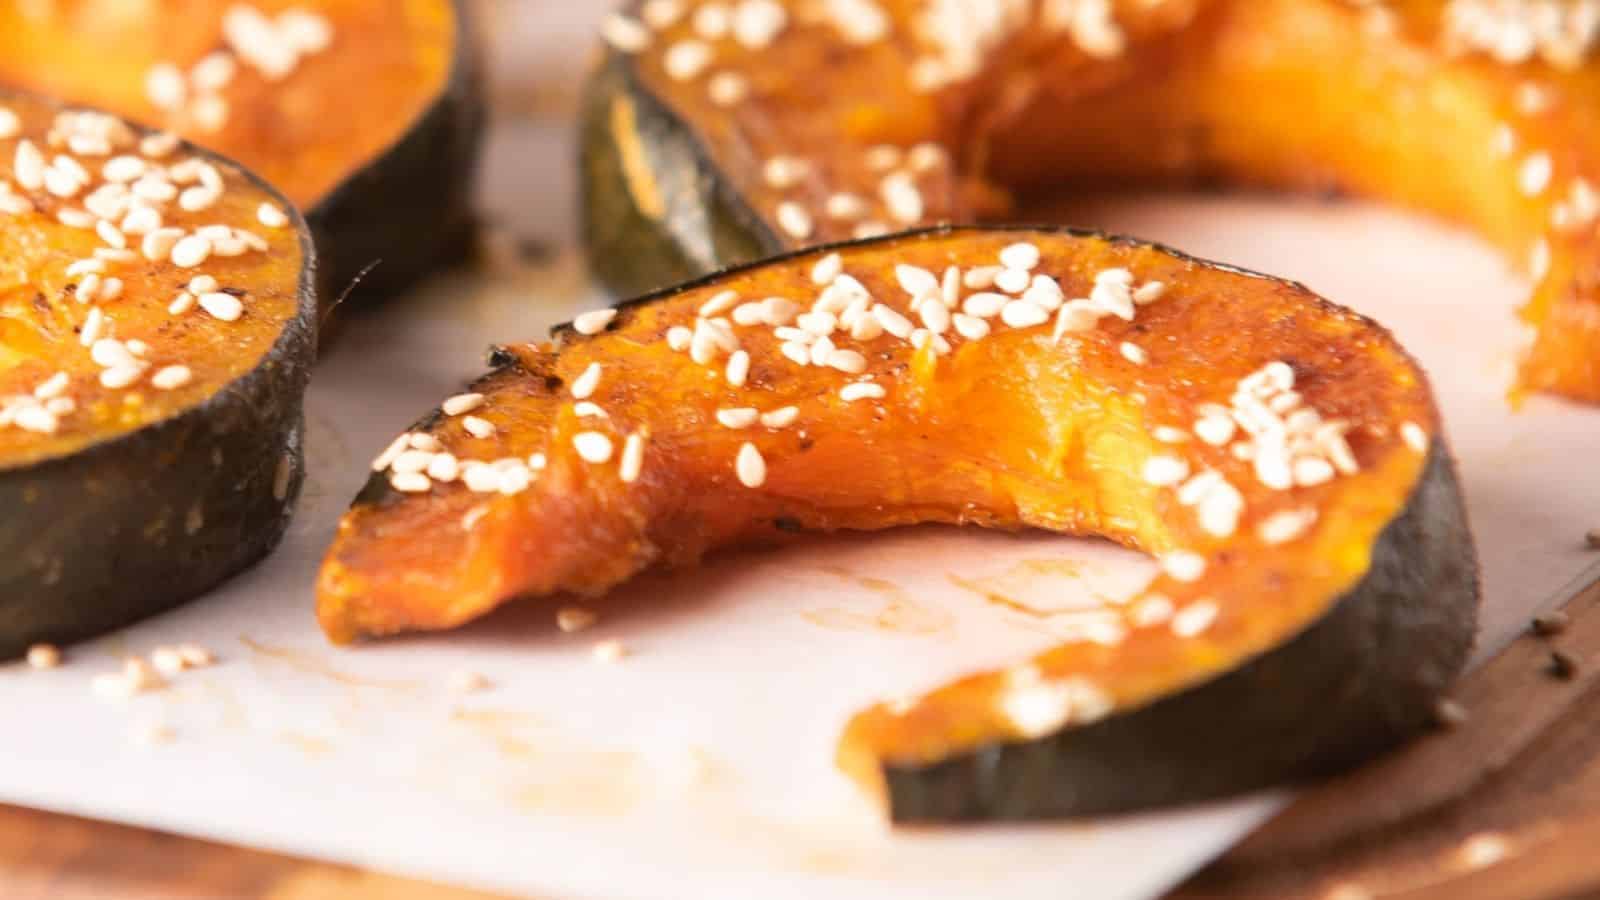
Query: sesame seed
pixel 537 462
pixel 1194 619
pixel 780 418
pixel 593 447
pixel 737 418
pixel 1165 471
pixel 846 207
pixel 817 324
pixel 191 251
pixel 609 652
pixel 411 461
pixel 902 197
pixel 480 478
pixel 757 23
pixel 411 482
pixel 719 304
pixel 1534 174
pixel 1020 256
pixel 820 350
pixel 678 338
pixel 573 619
pixel 1167 434
pixel 796 352
pixel 110 289
pixel 1022 314
pixel 751 467
pixel 28 166
pixel 478 427
pixel 594 322
pixel 444 468
pixel 985 305
pixel 1215 430
pixel 1149 292
pixel 934 317
pixel 1415 437
pixel 1134 353
pixel 1283 527
pixel 75 218
pixel 970 327
pixel 118 377
pixel 1483 850
pixel 225 307
pixel 728 89
pixel 916 281
pixel 513 479
pixel 848 361
pixel 882 157
pixel 738 370
pixel 926 157
pixel 10 124
pixel 632 458
pixel 36 419
pixel 794 220
pixel 862 391
pixel 462 403
pixel 172 378
pixel 625 33
pixel 869 230
pixel 685 60
pixel 584 386
pixel 1184 565
pixel 44 656
pixel 271 216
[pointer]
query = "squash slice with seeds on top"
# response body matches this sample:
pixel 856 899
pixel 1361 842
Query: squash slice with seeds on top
pixel 153 361
pixel 1279 455
pixel 367 114
pixel 712 140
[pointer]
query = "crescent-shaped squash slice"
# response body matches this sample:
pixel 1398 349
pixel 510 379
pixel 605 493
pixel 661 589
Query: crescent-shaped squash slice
pixel 713 139
pixel 367 114
pixel 152 366
pixel 1280 456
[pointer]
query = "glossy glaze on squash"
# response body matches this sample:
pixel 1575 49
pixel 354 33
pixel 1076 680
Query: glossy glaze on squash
pixel 1328 554
pixel 860 117
pixel 370 122
pixel 149 424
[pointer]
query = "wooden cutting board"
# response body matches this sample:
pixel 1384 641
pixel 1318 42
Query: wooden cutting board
pixel 1505 805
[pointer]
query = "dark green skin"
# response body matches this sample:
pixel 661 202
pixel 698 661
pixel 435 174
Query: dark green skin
pixel 140 523
pixel 409 211
pixel 1363 679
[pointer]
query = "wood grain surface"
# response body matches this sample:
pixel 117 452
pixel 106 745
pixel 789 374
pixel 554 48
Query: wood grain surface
pixel 1505 805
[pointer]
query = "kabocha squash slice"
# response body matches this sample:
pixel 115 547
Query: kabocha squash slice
pixel 367 114
pixel 1280 456
pixel 153 361
pixel 711 141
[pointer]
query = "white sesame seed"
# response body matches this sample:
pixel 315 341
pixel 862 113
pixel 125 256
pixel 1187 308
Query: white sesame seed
pixel 625 33
pixel 224 307
pixel 28 166
pixel 36 419
pixel 737 419
pixel 386 459
pixel 118 377
pixel 1149 292
pixel 10 124
pixel 573 619
pixel 75 218
pixel 632 464
pixel 970 327
pixel 609 652
pixel 794 220
pixel 847 207
pixel 462 403
pixel 727 89
pixel 738 370
pixel 784 172
pixel 480 478
pixel 593 447
pixel 796 352
pixel 821 349
pixel 1310 471
pixel 1215 430
pixel 444 468
pixel 1165 471
pixel 1534 174
pixel 916 281
pixel 411 482
pixel 934 317
pixel 43 656
pixel 869 230
pixel 513 479
pixel 1022 314
pixel 751 467
pixel 1280 528
pixel 585 409
pixel 583 387
pixel 172 378
pixel 271 216
pixel 685 60
pixel 902 197
pixel 1113 298
pixel 110 289
pixel 1415 437
pixel 678 338
pixel 780 418
pixel 1184 565
pixel 478 427
pixel 848 361
pixel 1134 353
pixel 190 251
pixel 1194 619
pixel 818 324
pixel 862 391
pixel 593 322
pixel 1020 256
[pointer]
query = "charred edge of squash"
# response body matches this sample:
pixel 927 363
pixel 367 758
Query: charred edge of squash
pixel 1360 680
pixel 632 143
pixel 145 521
pixel 408 210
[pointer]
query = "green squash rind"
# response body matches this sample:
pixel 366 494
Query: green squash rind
pixel 141 523
pixel 409 211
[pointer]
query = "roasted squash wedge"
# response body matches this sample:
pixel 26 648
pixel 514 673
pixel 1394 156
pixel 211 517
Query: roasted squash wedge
pixel 157 326
pixel 718 138
pixel 367 114
pixel 1280 456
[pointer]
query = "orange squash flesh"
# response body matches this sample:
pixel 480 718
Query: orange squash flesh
pixel 374 130
pixel 149 434
pixel 1385 100
pixel 1013 430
